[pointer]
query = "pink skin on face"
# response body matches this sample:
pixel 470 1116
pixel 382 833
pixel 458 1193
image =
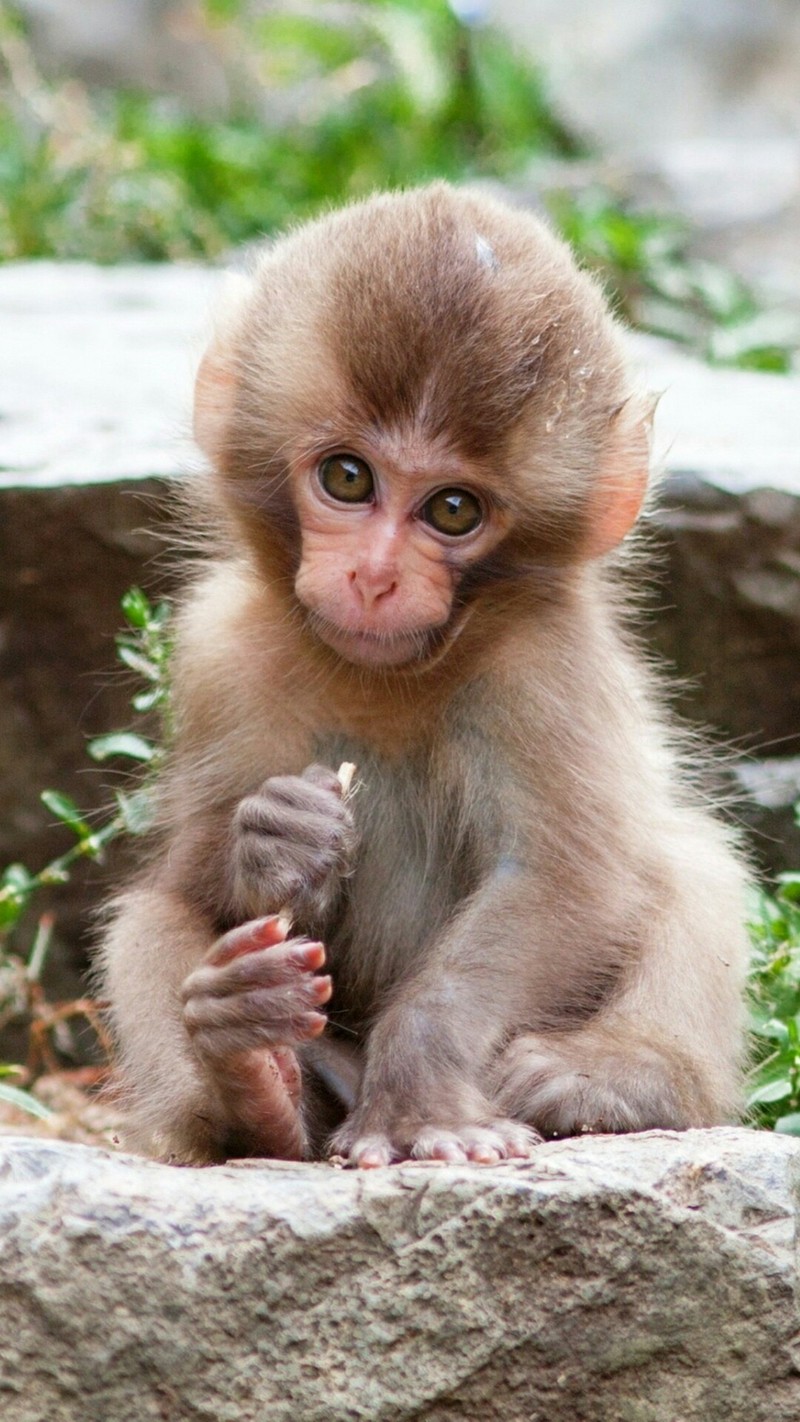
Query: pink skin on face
pixel 377 576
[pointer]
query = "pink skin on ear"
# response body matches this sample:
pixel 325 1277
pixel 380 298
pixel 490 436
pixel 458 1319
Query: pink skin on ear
pixel 622 480
pixel 214 392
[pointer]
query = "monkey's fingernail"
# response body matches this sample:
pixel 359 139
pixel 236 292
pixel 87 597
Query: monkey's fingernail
pixel 322 989
pixel 246 938
pixel 316 1022
pixel 484 1155
pixel 310 955
pixel 284 922
pixel 446 1150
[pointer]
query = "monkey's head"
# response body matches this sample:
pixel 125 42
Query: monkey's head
pixel 414 404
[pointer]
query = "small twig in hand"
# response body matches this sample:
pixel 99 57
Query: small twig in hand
pixel 344 775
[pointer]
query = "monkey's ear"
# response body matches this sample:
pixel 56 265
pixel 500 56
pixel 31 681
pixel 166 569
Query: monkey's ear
pixel 622 478
pixel 215 385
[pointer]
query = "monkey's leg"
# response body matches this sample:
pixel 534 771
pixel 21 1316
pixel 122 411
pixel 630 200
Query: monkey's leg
pixel 611 1077
pixel 664 1052
pixel 218 1076
pixel 454 1050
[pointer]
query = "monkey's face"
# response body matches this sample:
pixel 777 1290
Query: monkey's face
pixel 415 406
pixel 389 525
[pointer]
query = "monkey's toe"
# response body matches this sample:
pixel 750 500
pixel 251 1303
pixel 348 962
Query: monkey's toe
pixel 480 1145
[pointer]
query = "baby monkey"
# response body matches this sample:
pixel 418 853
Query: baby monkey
pixel 424 449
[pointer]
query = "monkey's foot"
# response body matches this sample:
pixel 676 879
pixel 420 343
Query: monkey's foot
pixel 594 1082
pixel 479 1145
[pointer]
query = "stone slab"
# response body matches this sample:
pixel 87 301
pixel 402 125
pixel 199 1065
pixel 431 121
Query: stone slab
pixel 633 1279
pixel 96 368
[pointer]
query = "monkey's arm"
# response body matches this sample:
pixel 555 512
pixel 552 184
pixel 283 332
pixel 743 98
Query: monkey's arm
pixel 198 1086
pixel 208 1025
pixel 425 1091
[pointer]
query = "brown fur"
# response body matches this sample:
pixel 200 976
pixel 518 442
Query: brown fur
pixel 530 923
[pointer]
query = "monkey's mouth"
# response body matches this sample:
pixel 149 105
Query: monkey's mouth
pixel 377 649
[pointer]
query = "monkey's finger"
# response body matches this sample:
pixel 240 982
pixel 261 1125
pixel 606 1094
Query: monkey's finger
pixel 286 794
pixel 482 1145
pixel 271 1005
pixel 520 1140
pixel 220 1037
pixel 248 938
pixel 282 964
pixel 318 820
pixel 324 777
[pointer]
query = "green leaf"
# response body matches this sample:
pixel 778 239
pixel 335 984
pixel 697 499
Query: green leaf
pixel 125 743
pixel 146 700
pixel 788 1125
pixel 17 878
pixel 136 811
pixel 137 662
pixel 770 1091
pixel 789 887
pixel 136 607
pixel 65 810
pixel 773 1029
pixel 24 1101
pixel 160 615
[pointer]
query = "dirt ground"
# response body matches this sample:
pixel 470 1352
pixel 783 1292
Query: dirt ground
pixel 80 1112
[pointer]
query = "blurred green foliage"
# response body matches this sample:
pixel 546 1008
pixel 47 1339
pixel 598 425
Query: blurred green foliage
pixel 653 280
pixel 774 1098
pixel 341 100
pixel 144 648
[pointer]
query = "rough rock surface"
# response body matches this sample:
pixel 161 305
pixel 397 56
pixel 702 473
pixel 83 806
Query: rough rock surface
pixel 638 1279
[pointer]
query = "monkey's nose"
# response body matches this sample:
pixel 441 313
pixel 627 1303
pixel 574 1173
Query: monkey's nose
pixel 372 586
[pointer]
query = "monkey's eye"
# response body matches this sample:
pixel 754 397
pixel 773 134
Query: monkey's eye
pixel 452 511
pixel 347 478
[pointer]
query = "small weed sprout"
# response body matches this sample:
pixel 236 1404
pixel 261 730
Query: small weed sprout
pixel 774 1097
pixel 143 647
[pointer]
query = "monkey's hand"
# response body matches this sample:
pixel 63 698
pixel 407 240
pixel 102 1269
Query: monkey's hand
pixel 255 996
pixel 293 842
